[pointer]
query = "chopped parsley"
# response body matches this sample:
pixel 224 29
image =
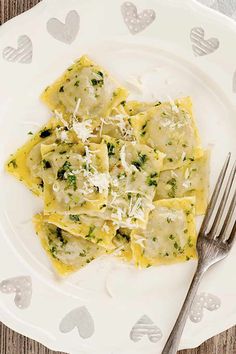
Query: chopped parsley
pixel 71 181
pixel 151 180
pixel 46 164
pixel 60 236
pixel 66 167
pixel 142 158
pixel 173 184
pixel 157 104
pixel 45 133
pixel 30 133
pixel 41 185
pixel 143 131
pixel 91 229
pixel 76 83
pixel 123 103
pixel 111 149
pixel 61 89
pixel 75 218
pixel 98 82
pixel 12 163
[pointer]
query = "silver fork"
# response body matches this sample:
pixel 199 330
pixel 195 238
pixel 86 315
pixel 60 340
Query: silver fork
pixel 212 246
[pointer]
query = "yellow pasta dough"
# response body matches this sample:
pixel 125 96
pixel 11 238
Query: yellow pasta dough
pixel 170 235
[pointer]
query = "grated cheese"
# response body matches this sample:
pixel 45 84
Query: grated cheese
pixel 83 130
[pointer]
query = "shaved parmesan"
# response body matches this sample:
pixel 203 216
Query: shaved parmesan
pixel 83 129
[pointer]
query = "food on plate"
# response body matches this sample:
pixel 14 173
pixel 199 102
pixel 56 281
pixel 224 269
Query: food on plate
pixel 116 177
pixel 170 235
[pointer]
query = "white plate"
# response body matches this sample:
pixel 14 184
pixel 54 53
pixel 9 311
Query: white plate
pixel 107 298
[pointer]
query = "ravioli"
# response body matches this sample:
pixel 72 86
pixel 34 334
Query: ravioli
pixel 191 179
pixel 91 228
pixel 117 177
pixel 76 179
pixel 134 170
pixel 26 164
pixel 170 235
pixel 85 89
pixel 66 252
pixel 170 128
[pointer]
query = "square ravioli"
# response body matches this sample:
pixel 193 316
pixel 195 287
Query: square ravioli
pixel 134 170
pixel 191 179
pixel 76 178
pixel 85 89
pixel 26 164
pixel 67 253
pixel 170 235
pixel 93 229
pixel 170 128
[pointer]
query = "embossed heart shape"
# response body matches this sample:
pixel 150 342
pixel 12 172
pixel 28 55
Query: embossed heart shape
pixel 201 302
pixel 79 318
pixel 202 46
pixel 21 287
pixel 64 32
pixel 22 54
pixel 145 327
pixel 136 22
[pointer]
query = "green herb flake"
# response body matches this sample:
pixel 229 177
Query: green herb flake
pixel 111 149
pixel 91 229
pixel 76 83
pixel 46 164
pixel 66 167
pixel 71 181
pixel 97 82
pixel 45 133
pixel 30 133
pixel 60 236
pixel 173 183
pixel 75 218
pixel 142 158
pixel 12 163
pixel 61 89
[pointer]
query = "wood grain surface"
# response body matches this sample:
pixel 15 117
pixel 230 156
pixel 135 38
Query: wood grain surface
pixel 14 343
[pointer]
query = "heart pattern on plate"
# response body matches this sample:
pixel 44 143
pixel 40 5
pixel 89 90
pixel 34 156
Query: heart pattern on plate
pixel 201 302
pixel 65 32
pixel 79 318
pixel 202 46
pixel 22 54
pixel 136 22
pixel 228 8
pixel 145 327
pixel 21 287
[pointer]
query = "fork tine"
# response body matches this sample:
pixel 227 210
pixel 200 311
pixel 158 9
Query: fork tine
pixel 232 235
pixel 223 201
pixel 228 217
pixel 215 195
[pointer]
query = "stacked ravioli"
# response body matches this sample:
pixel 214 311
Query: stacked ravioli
pixel 116 176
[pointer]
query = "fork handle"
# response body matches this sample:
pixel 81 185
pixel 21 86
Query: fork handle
pixel 172 343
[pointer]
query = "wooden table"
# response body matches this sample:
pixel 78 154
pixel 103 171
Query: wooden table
pixel 14 343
